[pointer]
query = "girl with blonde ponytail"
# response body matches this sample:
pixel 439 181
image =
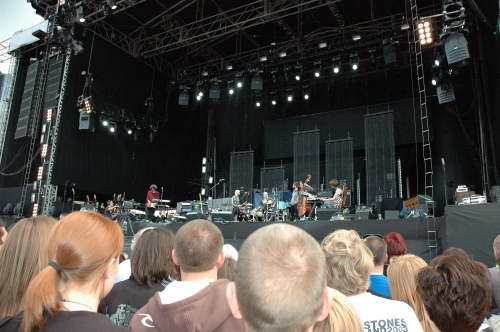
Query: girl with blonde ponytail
pixel 83 250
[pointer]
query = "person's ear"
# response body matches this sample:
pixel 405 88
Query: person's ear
pixel 109 268
pixel 174 257
pixel 220 260
pixel 232 300
pixel 327 304
pixel 386 258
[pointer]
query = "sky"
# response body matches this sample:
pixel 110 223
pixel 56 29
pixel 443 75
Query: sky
pixel 15 15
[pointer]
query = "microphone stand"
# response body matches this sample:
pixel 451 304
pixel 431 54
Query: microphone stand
pixel 64 197
pixel 73 202
pixel 445 183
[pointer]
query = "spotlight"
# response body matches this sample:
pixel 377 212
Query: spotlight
pixel 230 87
pixel 204 73
pixel 258 100
pixel 104 120
pixel 306 92
pixel 440 60
pixel 354 61
pixel 336 64
pixel 456 49
pixel 257 82
pixel 184 97
pixel 112 127
pixel 49 115
pixel 199 92
pixel 39 173
pixel 239 80
pixel 356 37
pixel 111 4
pixel 438 77
pixel 298 72
pixel 282 54
pixel 129 128
pixel 322 45
pixel 424 32
pixel 44 150
pixel 214 91
pixel 229 67
pixel 289 94
pixel 273 94
pixel 87 103
pixel 79 14
pixel 317 68
pixel 263 58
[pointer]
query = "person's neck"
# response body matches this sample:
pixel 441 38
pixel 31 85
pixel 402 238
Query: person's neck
pixel 378 269
pixel 208 276
pixel 362 292
pixel 75 300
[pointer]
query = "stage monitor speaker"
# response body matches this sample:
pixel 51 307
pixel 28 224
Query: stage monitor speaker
pixel 224 215
pixel 391 214
pixel 87 207
pixel 194 215
pixel 87 121
pixel 364 213
pixel 348 200
pixel 327 214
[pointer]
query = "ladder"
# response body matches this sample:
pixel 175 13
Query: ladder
pixel 432 241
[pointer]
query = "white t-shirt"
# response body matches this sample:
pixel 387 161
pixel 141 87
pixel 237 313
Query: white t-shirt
pixel 383 315
pixel 180 290
pixel 124 271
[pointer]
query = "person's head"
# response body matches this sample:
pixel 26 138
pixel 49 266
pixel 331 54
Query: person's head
pixel 496 248
pixel 280 281
pixel 378 247
pixel 264 195
pixel 396 245
pixel 401 274
pixel 295 185
pixel 153 187
pixel 455 251
pixel 137 236
pixel 23 256
pixel 151 259
pixel 343 316
pixel 236 192
pixel 3 233
pixel 334 183
pixel 349 262
pixel 83 250
pixel 455 293
pixel 228 269
pixel 198 247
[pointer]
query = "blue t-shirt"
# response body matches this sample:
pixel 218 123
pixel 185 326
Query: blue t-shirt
pixel 380 284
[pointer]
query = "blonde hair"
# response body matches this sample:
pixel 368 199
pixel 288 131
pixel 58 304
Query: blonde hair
pixel 82 244
pixel 343 316
pixel 349 261
pixel 402 274
pixel 23 256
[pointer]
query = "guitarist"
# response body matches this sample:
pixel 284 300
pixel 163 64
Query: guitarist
pixel 151 199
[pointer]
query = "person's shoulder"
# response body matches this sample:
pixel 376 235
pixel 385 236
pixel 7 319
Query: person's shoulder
pixel 81 321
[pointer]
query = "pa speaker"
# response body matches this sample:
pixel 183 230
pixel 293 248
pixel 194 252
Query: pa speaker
pixel 184 98
pixel 87 121
pixel 257 82
pixel 326 214
pixel 190 216
pixel 224 215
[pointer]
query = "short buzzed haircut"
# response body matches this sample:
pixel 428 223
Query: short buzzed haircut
pixel 280 279
pixel 349 262
pixel 378 248
pixel 198 245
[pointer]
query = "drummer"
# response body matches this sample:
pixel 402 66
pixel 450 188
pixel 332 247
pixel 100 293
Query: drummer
pixel 266 204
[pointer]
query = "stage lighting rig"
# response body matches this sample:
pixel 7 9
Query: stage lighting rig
pixel 239 80
pixel 425 32
pixel 289 94
pixel 273 96
pixel 111 4
pixel 317 68
pixel 258 100
pixel 354 61
pixel 306 92
pixel 257 82
pixel 230 87
pixel 112 126
pixel 298 72
pixel 88 105
pixel 80 17
pixel 336 64
pixel 214 93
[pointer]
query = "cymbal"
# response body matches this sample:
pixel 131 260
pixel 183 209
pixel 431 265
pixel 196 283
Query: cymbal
pixel 248 205
pixel 268 201
pixel 226 204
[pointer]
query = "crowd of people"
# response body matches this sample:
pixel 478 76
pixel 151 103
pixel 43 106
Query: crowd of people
pixel 72 275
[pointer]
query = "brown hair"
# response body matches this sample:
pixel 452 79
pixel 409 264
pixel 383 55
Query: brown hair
pixel 401 274
pixel 198 245
pixel 280 279
pixel 455 293
pixel 343 316
pixel 151 259
pixel 2 225
pixel 349 261
pixel 396 245
pixel 455 251
pixel 82 244
pixel 334 183
pixel 228 269
pixel 22 257
pixel 378 247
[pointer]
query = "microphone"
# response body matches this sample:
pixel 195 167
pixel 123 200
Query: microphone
pixel 222 180
pixel 442 161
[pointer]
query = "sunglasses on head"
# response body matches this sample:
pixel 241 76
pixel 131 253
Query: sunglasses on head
pixel 377 235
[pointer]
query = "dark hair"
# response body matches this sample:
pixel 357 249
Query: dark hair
pixel 455 251
pixel 396 245
pixel 228 269
pixel 455 293
pixel 198 245
pixel 151 259
pixel 378 247
pixel 82 244
pixel 2 225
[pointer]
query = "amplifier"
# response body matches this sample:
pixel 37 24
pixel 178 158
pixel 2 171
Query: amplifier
pixel 327 214
pixel 363 212
pixel 222 215
pixel 184 207
pixel 476 199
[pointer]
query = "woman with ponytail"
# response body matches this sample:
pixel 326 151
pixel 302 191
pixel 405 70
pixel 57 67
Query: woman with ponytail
pixel 83 250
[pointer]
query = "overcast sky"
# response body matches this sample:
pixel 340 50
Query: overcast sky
pixel 15 15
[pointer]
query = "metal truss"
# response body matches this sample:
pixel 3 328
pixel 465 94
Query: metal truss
pixel 4 51
pixel 335 12
pixel 7 101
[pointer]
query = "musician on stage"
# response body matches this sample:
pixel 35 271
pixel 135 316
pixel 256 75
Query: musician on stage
pixel 235 202
pixel 110 210
pixel 151 199
pixel 336 200
pixel 294 214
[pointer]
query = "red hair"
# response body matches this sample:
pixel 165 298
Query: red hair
pixel 396 245
pixel 82 244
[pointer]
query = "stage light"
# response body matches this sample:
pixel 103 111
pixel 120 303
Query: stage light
pixel 289 94
pixel 204 160
pixel 104 120
pixel 87 103
pixel 356 37
pixel 44 150
pixel 274 73
pixel 354 61
pixel 199 92
pixel 39 173
pixel 62 3
pixel 35 210
pixel 298 72
pixel 203 191
pixel 230 87
pixel 322 45
pixel 438 77
pixel 111 4
pixel 204 73
pixel 210 180
pixel 282 54
pixel 239 80
pixel 184 97
pixel 203 169
pixel 214 91
pixel 263 58
pixel 129 128
pixel 456 49
pixel 258 100
pixel 424 32
pixel 336 64
pixel 79 14
pixel 49 115
pixel 317 68
pixel 440 60
pixel 405 26
pixel 112 126
pixel 229 67
pixel 273 96
pixel 34 197
pixel 445 92
pixel 306 92
pixel 256 82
